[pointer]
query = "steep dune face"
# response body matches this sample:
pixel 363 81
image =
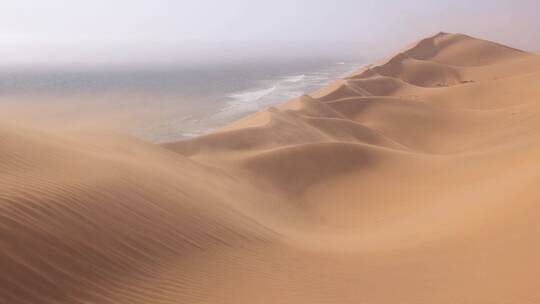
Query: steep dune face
pixel 460 50
pixel 410 181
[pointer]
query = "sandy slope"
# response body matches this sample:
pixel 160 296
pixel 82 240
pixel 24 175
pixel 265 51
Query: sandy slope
pixel 414 180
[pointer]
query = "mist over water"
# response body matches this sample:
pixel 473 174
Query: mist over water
pixel 167 104
pixel 164 70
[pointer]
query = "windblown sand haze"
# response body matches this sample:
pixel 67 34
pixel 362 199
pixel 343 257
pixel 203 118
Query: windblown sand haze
pixel 413 180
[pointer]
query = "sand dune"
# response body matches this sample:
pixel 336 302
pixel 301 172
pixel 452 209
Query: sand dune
pixel 414 180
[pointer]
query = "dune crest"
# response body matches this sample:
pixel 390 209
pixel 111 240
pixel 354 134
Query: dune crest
pixel 413 180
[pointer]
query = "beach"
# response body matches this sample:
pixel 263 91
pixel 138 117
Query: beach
pixel 158 104
pixel 411 180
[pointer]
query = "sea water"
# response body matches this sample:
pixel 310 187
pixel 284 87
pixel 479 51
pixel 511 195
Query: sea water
pixel 191 100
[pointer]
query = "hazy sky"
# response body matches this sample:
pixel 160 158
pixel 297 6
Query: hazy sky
pixel 71 32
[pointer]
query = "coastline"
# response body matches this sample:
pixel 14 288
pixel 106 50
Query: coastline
pixel 406 181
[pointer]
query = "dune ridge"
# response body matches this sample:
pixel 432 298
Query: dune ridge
pixel 413 180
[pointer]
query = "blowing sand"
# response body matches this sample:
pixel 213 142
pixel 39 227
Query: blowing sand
pixel 414 180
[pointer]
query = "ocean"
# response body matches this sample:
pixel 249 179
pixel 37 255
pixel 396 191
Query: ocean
pixel 173 102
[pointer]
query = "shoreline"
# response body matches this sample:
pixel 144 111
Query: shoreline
pixel 416 175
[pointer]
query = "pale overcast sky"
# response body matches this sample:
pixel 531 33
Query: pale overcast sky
pixel 162 31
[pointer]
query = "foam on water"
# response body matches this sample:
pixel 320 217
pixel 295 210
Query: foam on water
pixel 252 95
pixel 272 91
pixel 294 79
